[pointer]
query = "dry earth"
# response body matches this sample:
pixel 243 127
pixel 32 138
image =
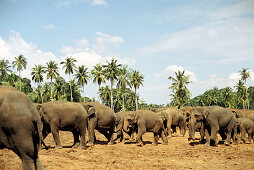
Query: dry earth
pixel 178 154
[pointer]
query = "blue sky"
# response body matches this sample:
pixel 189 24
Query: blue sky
pixel 211 40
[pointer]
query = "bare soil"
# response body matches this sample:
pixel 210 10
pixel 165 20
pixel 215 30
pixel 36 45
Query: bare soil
pixel 178 154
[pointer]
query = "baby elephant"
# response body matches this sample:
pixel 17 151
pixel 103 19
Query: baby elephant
pixel 146 121
pixel 244 124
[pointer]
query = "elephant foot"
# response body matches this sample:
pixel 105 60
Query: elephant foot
pixel 155 143
pixel 207 144
pixel 59 147
pixel 75 145
pixel 110 143
pixel 82 147
pixel 89 144
pixel 140 144
pixel 227 144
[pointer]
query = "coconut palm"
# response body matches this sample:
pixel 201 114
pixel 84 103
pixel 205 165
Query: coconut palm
pixel 59 87
pixel 4 68
pixel 98 76
pixel 37 76
pixel 245 75
pixel 240 92
pixel 179 87
pixel 136 80
pixel 52 72
pixel 123 82
pixel 20 62
pixel 111 72
pixel 82 76
pixel 69 65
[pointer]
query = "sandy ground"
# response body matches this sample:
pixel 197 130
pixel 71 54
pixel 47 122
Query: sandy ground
pixel 178 154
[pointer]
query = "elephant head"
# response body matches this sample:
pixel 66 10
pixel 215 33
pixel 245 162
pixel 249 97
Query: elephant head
pixel 198 114
pixel 119 123
pixel 130 119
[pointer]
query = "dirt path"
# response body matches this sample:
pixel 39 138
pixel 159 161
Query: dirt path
pixel 178 154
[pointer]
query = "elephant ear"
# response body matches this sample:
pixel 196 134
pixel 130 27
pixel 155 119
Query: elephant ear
pixel 43 115
pixel 136 117
pixel 205 113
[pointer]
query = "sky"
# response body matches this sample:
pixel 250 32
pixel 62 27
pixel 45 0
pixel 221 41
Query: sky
pixel 211 40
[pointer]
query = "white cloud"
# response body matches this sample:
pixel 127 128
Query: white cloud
pixel 99 2
pixel 50 26
pixel 170 71
pixel 106 38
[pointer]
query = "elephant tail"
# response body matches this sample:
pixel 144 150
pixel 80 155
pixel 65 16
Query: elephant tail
pixel 37 126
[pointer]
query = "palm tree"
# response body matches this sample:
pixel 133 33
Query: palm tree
pixel 98 76
pixel 136 81
pixel 105 95
pixel 179 87
pixel 37 76
pixel 69 65
pixel 245 74
pixel 123 82
pixel 20 62
pixel 59 87
pixel 4 67
pixel 52 73
pixel 82 77
pixel 241 95
pixel 111 70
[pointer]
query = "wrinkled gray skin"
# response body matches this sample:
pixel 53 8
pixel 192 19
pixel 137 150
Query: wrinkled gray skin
pixel 174 118
pixel 65 116
pixel 119 127
pixel 20 127
pixel 215 119
pixel 101 118
pixel 146 121
pixel 244 125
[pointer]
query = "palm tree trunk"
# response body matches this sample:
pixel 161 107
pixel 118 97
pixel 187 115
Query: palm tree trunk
pixel 41 93
pixel 111 96
pixel 123 102
pixel 19 81
pixel 99 94
pixel 247 100
pixel 51 90
pixel 70 86
pixel 136 99
pixel 84 93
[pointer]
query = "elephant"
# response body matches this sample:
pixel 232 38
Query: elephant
pixel 243 125
pixel 215 119
pixel 146 121
pixel 243 113
pixel 101 118
pixel 65 116
pixel 119 127
pixel 174 118
pixel 20 127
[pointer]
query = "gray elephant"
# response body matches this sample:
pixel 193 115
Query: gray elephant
pixel 174 118
pixel 244 125
pixel 20 127
pixel 146 121
pixel 101 118
pixel 119 127
pixel 65 116
pixel 215 119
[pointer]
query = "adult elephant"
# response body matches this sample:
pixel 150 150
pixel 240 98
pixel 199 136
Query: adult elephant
pixel 65 116
pixel 146 121
pixel 175 118
pixel 20 127
pixel 215 119
pixel 119 127
pixel 101 118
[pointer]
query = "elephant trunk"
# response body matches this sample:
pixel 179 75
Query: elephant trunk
pixel 118 127
pixel 192 129
pixel 126 126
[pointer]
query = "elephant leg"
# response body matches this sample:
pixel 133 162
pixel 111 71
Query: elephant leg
pixel 214 130
pixel 163 137
pixel 55 133
pixel 141 131
pixel 76 139
pixel 82 132
pixel 222 134
pixel 202 133
pixel 91 134
pixel 249 135
pixel 229 130
pixel 156 138
pixel 207 135
pixel 119 136
pixel 243 132
pixel 110 136
pixel 169 123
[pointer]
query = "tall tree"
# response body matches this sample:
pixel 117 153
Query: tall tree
pixel 245 75
pixel 111 72
pixel 98 76
pixel 123 82
pixel 240 94
pixel 52 73
pixel 4 68
pixel 136 80
pixel 180 91
pixel 37 76
pixel 20 62
pixel 69 65
pixel 82 76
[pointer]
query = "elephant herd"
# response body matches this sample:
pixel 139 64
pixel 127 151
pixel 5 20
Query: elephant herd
pixel 24 125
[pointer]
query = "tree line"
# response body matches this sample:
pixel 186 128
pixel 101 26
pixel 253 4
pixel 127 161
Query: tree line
pixel 121 93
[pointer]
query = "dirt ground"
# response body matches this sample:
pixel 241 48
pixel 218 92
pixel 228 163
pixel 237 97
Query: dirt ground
pixel 178 154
